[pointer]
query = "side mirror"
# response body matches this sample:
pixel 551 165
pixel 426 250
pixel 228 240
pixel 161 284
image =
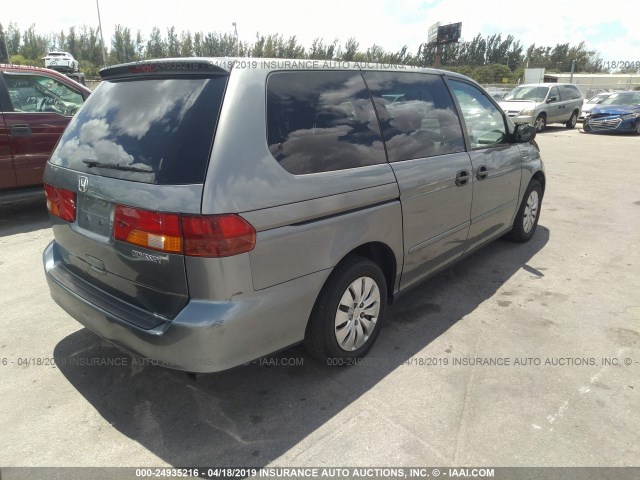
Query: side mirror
pixel 524 133
pixel 552 99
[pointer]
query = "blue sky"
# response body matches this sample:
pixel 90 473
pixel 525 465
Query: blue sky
pixel 388 23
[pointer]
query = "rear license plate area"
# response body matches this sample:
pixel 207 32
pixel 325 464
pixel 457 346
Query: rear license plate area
pixel 95 215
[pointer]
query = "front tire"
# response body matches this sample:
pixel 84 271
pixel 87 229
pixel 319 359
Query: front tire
pixel 572 121
pixel 540 123
pixel 346 317
pixel 526 221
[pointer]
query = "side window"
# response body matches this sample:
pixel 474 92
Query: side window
pixel 554 92
pixel 320 121
pixel 417 115
pixel 484 121
pixel 39 93
pixel 574 92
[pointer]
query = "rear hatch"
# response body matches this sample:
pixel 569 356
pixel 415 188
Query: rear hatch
pixel 126 175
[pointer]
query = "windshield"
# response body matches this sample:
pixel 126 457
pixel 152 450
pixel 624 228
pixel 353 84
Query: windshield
pixel 630 98
pixel 151 130
pixel 534 93
pixel 598 98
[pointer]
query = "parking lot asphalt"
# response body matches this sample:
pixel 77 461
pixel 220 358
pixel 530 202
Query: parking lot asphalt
pixel 520 355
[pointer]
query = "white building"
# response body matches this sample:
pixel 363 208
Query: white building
pixel 592 83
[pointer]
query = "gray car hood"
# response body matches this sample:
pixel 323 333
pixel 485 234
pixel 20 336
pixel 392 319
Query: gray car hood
pixel 517 106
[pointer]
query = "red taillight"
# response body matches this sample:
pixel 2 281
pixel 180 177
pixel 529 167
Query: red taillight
pixel 154 230
pixel 142 69
pixel 193 235
pixel 61 202
pixel 217 235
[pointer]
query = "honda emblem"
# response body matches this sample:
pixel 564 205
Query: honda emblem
pixel 83 183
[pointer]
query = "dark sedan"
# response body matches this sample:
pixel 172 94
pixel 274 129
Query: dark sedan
pixel 620 112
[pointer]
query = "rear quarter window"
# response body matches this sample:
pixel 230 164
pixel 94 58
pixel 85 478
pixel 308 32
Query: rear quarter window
pixel 569 92
pixel 320 121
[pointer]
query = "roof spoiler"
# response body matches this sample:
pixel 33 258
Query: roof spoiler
pixel 202 67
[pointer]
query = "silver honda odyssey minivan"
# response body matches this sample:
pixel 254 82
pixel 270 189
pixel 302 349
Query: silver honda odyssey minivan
pixel 207 212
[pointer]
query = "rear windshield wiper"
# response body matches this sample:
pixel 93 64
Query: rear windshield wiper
pixel 115 166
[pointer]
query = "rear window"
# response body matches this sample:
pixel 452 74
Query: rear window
pixel 569 92
pixel 148 130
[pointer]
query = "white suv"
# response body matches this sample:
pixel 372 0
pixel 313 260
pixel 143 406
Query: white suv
pixel 543 103
pixel 61 61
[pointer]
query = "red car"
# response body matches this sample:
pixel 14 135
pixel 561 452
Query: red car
pixel 36 105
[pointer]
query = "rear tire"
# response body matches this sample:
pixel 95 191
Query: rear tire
pixel 346 317
pixel 526 221
pixel 572 121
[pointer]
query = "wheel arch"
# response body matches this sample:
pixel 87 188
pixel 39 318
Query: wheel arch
pixel 381 254
pixel 540 177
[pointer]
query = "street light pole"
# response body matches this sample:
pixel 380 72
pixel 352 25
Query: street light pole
pixel 573 68
pixel 235 27
pixel 104 52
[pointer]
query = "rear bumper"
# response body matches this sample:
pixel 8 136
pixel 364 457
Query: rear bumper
pixel 206 336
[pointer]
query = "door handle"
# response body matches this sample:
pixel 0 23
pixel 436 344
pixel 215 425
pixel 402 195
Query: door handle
pixel 482 173
pixel 462 178
pixel 22 130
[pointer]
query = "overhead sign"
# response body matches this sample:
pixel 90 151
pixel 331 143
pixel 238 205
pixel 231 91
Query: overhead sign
pixel 449 33
pixel 433 32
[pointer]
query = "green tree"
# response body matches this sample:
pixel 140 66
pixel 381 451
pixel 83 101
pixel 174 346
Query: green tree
pixel 72 44
pixel 488 59
pixel 33 46
pixel 186 45
pixel 13 38
pixel 156 46
pixel 4 51
pixel 321 51
pixel 139 46
pixel 122 48
pixel 350 50
pixel 17 60
pixel 173 43
pixel 197 45
pixel 494 73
